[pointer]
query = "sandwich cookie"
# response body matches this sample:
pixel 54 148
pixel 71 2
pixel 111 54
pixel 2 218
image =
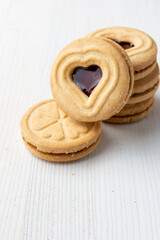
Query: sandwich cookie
pixel 52 135
pixel 139 97
pixel 140 47
pixel 92 79
pixel 131 118
pixel 135 108
pixel 147 82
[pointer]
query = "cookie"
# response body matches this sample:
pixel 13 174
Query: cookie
pixel 131 118
pixel 139 97
pixel 53 157
pixel 147 82
pixel 52 135
pixel 144 72
pixel 131 109
pixel 140 47
pixel 91 79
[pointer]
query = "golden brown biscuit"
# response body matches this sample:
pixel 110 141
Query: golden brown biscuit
pixel 139 97
pixel 140 47
pixel 62 157
pixel 76 68
pixel 50 133
pixel 131 118
pixel 144 72
pixel 147 82
pixel 135 108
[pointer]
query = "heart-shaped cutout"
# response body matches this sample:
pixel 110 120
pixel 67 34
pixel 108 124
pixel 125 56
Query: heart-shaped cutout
pixel 87 78
pixel 125 45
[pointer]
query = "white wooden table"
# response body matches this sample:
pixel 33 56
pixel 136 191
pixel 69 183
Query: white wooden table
pixel 114 194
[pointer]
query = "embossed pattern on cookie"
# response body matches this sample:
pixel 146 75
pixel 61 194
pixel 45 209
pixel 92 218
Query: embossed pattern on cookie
pixel 49 129
pixel 51 123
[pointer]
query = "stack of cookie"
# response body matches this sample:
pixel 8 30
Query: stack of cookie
pixel 92 79
pixel 142 51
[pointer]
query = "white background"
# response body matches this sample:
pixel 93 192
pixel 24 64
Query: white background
pixel 113 194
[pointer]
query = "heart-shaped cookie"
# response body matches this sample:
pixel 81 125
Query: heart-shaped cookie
pixel 92 79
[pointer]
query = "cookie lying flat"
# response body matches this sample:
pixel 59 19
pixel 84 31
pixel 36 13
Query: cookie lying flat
pixel 147 82
pixel 135 108
pixel 131 118
pixel 140 47
pixel 53 157
pixel 92 79
pixel 51 135
pixel 139 97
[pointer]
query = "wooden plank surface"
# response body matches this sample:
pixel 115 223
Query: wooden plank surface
pixel 114 193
